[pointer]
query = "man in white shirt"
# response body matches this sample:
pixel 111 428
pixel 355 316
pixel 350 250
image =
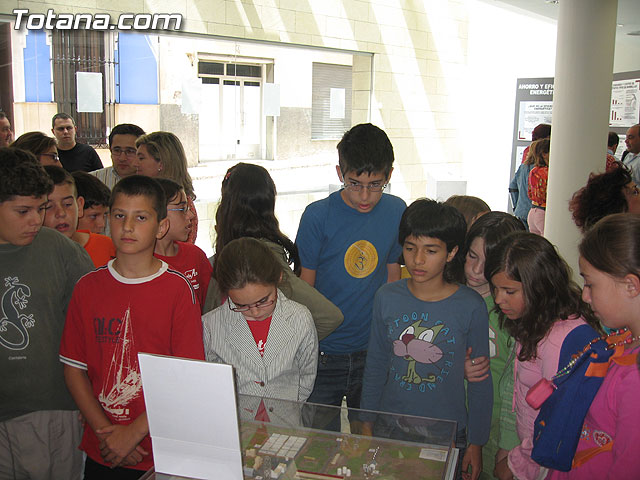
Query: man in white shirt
pixel 631 158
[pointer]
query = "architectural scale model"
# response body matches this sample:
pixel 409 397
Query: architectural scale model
pixel 278 453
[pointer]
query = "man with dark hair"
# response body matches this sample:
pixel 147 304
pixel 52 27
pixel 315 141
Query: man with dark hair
pixel 631 157
pixel 73 156
pixel 612 145
pixel 39 426
pixel 5 130
pixel 122 143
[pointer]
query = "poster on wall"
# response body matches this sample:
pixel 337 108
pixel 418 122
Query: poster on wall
pixel 532 114
pixel 625 103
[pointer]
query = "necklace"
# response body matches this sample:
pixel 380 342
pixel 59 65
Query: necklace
pixel 567 368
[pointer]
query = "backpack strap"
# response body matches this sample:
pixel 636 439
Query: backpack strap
pixel 600 369
pixel 626 360
pixel 586 455
pixel 622 360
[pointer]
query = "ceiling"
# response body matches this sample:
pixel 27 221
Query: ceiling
pixel 628 14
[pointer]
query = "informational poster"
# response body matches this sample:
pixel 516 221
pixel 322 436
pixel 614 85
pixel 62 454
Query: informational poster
pixel 625 103
pixel 533 106
pixel 531 115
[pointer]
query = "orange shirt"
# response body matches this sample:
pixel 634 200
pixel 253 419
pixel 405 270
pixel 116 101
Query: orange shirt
pixel 538 186
pixel 100 248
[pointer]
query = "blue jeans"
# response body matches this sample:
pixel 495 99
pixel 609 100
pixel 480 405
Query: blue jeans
pixel 339 375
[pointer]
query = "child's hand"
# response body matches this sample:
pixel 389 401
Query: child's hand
pixel 118 443
pixel 472 457
pixel 476 369
pixel 502 470
pixel 134 457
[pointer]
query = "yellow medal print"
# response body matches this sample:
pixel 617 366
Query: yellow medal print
pixel 361 259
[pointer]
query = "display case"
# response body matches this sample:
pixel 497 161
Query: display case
pixel 290 440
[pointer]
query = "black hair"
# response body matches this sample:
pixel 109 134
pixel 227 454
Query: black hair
pixel 246 209
pixel 171 188
pixel 60 176
pixel 140 185
pixel 22 175
pixel 246 260
pixel 89 187
pixel 61 116
pixel 549 291
pixel 428 218
pixel 125 129
pixel 492 227
pixel 613 139
pixel 365 148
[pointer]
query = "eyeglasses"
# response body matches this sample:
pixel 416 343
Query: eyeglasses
pixel 54 156
pixel 357 187
pixel 635 191
pixel 184 209
pixel 129 152
pixel 265 302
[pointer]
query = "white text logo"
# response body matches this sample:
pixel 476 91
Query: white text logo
pixel 97 21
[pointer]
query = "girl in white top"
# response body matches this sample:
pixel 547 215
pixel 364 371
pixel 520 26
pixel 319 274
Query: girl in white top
pixel 270 340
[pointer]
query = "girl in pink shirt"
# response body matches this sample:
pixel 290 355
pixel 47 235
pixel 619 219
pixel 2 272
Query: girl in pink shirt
pixel 610 265
pixel 538 304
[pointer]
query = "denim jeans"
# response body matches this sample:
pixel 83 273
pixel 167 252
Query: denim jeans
pixel 339 375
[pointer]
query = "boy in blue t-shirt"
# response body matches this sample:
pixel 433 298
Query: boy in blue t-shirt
pixel 348 249
pixel 421 329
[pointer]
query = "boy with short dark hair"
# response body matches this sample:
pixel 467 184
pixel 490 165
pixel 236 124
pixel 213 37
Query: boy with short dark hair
pixel 135 303
pixel 39 426
pixel 348 249
pixel 173 247
pixel 421 329
pixel 96 197
pixel 63 211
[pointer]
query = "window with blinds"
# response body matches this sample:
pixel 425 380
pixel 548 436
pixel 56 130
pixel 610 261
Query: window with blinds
pixel 331 101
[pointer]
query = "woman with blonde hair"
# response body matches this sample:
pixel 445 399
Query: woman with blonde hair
pixel 160 154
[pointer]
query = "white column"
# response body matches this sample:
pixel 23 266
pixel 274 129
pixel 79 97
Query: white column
pixel 582 94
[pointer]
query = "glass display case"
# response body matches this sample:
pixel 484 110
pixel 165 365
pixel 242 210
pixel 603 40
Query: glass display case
pixel 291 440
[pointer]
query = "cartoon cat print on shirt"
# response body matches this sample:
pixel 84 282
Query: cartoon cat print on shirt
pixel 14 299
pixel 415 344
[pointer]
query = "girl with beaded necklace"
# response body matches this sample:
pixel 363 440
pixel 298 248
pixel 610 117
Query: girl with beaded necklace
pixel 539 305
pixel 610 266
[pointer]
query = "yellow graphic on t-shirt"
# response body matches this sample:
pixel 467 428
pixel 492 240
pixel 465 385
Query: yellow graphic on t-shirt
pixel 361 259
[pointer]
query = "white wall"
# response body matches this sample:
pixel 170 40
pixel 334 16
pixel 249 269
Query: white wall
pixel 503 46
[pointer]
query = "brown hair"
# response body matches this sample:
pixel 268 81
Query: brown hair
pixel 470 207
pixel 549 292
pixel 536 149
pixel 613 245
pixel 34 142
pixel 602 195
pixel 246 260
